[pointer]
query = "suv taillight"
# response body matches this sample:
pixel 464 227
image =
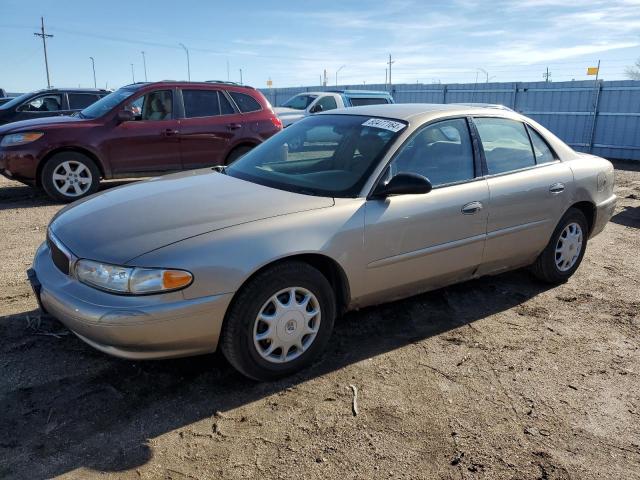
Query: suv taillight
pixel 276 122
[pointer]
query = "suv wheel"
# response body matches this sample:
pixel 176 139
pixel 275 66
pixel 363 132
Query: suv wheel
pixel 236 153
pixel 68 176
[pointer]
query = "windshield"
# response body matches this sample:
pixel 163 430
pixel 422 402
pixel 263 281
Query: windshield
pixel 325 155
pixel 105 104
pixel 15 101
pixel 300 102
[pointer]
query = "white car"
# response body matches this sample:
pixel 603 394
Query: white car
pixel 305 104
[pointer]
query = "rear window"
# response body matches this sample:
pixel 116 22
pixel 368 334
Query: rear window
pixel 78 101
pixel 246 103
pixel 357 102
pixel 201 103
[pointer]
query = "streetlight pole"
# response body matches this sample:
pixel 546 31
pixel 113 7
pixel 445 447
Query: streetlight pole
pixel 44 37
pixel 240 76
pixel 337 71
pixel 144 64
pixel 93 65
pixel 133 75
pixel 186 50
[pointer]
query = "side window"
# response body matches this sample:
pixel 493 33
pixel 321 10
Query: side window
pixel 44 103
pixel 156 106
pixel 328 103
pixel 78 101
pixel 225 105
pixel 201 103
pixel 442 152
pixel 505 143
pixel 246 103
pixel 540 148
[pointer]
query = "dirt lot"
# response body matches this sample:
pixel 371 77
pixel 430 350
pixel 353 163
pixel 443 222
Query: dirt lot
pixel 497 378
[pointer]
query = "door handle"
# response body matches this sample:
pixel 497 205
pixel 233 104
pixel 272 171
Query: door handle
pixel 557 188
pixel 169 132
pixel 234 126
pixel 471 208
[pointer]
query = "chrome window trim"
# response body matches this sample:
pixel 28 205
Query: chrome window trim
pixel 68 253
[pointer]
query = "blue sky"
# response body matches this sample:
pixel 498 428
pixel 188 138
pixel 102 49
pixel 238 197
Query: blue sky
pixel 292 42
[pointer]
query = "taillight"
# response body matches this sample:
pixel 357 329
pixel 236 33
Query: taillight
pixel 276 122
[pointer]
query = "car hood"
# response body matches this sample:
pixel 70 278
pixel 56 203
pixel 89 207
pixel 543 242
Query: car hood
pixel 123 223
pixel 37 123
pixel 288 111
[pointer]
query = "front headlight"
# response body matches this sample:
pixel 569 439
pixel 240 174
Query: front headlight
pixel 131 280
pixel 14 139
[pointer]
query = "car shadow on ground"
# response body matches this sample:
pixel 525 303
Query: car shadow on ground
pixel 629 217
pixel 80 408
pixel 24 196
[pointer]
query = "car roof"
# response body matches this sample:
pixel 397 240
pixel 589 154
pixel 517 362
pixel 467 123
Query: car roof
pixel 181 83
pixel 81 90
pixel 422 111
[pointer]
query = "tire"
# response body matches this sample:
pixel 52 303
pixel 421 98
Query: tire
pixel 68 176
pixel 242 324
pixel 236 153
pixel 556 267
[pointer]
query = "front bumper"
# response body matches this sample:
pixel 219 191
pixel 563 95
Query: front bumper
pixel 134 327
pixel 18 164
pixel 604 212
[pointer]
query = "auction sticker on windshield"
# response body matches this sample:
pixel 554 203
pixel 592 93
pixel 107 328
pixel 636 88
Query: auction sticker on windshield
pixel 384 124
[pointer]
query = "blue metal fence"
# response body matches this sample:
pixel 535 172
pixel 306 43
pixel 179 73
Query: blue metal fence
pixel 602 118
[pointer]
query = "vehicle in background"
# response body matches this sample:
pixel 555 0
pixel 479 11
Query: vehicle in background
pixel 3 92
pixel 258 258
pixel 143 129
pixel 305 104
pixel 49 103
pixel 4 100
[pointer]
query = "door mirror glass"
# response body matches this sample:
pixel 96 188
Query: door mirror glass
pixel 403 183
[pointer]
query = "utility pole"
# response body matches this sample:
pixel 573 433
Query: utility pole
pixel 93 65
pixel 324 80
pixel 337 71
pixel 241 77
pixel 385 77
pixel 186 50
pixel 133 75
pixel 44 37
pixel 144 64
pixel 547 76
pixel 390 63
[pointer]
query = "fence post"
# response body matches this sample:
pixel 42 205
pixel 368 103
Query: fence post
pixel 596 106
pixel 514 97
pixel 444 94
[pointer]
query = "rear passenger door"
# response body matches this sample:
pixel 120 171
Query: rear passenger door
pixel 528 189
pixel 208 127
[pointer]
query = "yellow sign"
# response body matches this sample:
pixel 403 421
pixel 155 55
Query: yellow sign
pixel 592 70
pixel 269 83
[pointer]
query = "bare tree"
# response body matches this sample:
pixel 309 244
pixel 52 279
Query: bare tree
pixel 633 72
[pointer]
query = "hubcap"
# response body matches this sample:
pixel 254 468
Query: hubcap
pixel 286 325
pixel 72 178
pixel 568 247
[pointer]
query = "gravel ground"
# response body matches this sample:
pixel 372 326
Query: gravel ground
pixel 501 377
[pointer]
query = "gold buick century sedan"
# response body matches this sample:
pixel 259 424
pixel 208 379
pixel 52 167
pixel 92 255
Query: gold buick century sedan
pixel 341 210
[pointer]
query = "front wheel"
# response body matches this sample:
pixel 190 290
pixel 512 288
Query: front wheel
pixel 562 256
pixel 279 322
pixel 68 176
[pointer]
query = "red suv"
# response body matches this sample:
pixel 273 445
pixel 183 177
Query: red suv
pixel 143 129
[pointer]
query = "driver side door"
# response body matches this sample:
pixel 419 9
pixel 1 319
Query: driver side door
pixel 419 242
pixel 150 143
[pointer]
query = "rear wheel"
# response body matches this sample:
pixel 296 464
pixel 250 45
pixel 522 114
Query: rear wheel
pixel 279 322
pixel 68 176
pixel 238 152
pixel 563 255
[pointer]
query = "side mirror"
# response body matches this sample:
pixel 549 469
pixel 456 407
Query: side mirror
pixel 404 183
pixel 316 108
pixel 124 116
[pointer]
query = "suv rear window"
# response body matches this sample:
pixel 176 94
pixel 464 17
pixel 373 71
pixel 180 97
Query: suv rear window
pixel 357 102
pixel 246 103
